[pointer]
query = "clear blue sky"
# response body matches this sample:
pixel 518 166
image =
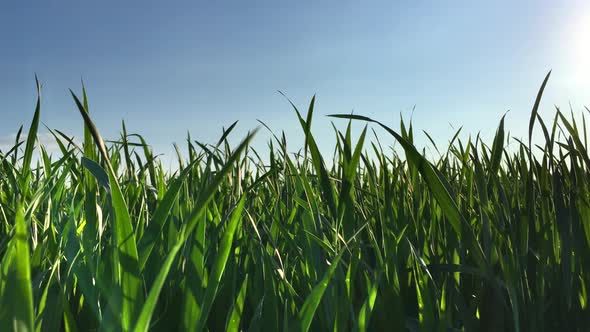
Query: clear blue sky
pixel 166 67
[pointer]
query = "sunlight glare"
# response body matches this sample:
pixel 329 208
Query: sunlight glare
pixel 581 47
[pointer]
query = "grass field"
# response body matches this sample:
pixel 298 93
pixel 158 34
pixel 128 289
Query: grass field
pixel 480 238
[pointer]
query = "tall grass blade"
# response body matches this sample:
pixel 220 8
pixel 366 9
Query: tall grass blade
pixel 125 257
pixel 219 264
pixel 16 293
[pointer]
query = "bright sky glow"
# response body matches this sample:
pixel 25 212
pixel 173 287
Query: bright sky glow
pixel 170 67
pixel 581 46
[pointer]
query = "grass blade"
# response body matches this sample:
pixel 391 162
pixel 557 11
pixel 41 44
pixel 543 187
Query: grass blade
pixel 16 293
pixel 219 264
pixel 312 301
pixel 125 257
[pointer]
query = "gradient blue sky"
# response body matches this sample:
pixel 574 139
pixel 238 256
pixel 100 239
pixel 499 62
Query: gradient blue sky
pixel 166 67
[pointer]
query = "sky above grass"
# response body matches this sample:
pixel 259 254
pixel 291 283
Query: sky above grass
pixel 168 67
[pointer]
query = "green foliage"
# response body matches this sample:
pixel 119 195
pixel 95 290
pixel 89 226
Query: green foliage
pixel 482 238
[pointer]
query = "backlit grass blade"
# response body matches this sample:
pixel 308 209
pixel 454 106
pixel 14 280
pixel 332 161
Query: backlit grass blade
pixel 237 309
pixel 364 315
pixel 32 135
pixel 226 133
pixel 536 106
pixel 16 294
pixel 17 143
pixel 497 149
pixel 91 230
pixel 125 258
pixel 576 138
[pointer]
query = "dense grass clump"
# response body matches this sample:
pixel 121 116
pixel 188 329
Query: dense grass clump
pixel 483 238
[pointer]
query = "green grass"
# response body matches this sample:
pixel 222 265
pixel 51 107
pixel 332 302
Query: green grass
pixel 482 238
